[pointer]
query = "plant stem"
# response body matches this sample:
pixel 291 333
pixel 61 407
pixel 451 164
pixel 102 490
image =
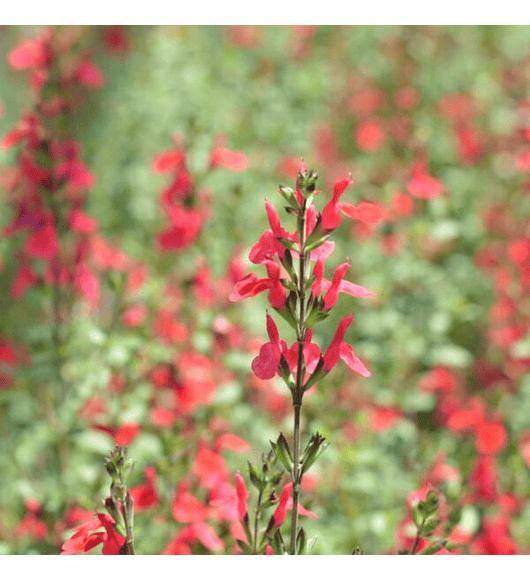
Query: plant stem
pixel 128 547
pixel 417 539
pixel 298 392
pixel 256 524
pixel 296 479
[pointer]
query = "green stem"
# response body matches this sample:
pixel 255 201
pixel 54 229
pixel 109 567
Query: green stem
pixel 298 392
pixel 417 539
pixel 128 547
pixel 296 479
pixel 256 524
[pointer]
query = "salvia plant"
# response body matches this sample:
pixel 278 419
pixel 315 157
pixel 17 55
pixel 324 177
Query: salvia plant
pixel 299 292
pixel 152 355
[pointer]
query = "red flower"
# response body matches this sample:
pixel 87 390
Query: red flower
pixel 89 74
pixel 339 349
pixel 494 538
pixel 468 144
pixel 168 329
pixel 441 380
pixel 242 495
pixel 198 531
pixel 311 353
pixel 185 227
pixel 30 54
pixel 277 297
pixel 266 364
pixel 145 496
pixel 79 221
pixel 108 257
pixel 71 168
pixel 369 135
pixel 209 466
pixel 126 434
pixel 483 478
pixel 25 278
pixel 116 40
pixel 402 203
pixel 7 353
pixel 281 510
pixel 384 418
pixel 222 157
pixel 467 418
pixel 268 245
pixel 367 212
pixel 422 185
pixel 32 525
pixel 244 36
pixel 339 285
pixel 285 504
pixel 251 285
pixel 134 315
pixel 43 243
pixel 232 442
pixel 85 538
pixel 29 127
pixel 491 437
pixel 168 161
pixel 331 213
pixel 197 381
pixel 186 507
pixel 87 283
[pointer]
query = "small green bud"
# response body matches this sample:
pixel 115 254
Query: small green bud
pixel 282 452
pixel 417 515
pixel 430 525
pixel 313 449
pixel 254 476
pixel 301 542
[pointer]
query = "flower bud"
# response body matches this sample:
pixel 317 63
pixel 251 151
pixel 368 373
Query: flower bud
pixel 282 452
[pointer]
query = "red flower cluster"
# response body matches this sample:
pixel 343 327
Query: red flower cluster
pixel 86 537
pixel 183 202
pixel 223 503
pixel 276 249
pixel 47 187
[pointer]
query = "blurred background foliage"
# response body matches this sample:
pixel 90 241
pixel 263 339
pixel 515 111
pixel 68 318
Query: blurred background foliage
pixel 277 93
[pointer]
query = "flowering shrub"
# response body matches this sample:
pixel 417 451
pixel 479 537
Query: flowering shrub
pixel 235 425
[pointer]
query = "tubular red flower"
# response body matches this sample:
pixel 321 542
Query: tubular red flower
pixel 86 538
pixel 187 508
pixel 30 54
pixel 332 354
pixel 348 356
pixel 242 495
pixel 331 213
pixel 265 248
pixel 277 296
pixel 281 510
pixel 266 364
pixel 318 273
pixel 268 245
pixel 367 212
pixel 338 285
pixel 339 349
pixel 145 496
pixel 332 294
pixel 422 185
pixel 233 160
pixel 248 286
pixel 168 161
pixel 312 354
